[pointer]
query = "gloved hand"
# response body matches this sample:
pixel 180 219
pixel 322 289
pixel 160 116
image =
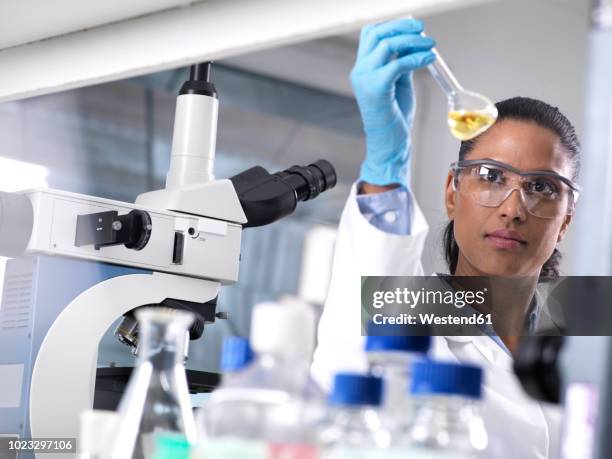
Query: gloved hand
pixel 382 81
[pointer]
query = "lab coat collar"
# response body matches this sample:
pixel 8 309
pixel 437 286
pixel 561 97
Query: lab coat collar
pixel 460 339
pixel 485 345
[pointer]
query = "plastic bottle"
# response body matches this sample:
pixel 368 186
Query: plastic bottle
pixel 390 354
pixel 447 423
pixel 355 429
pixel 156 399
pixel 269 408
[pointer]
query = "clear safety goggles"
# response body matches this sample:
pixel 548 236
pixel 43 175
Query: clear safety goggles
pixel 545 194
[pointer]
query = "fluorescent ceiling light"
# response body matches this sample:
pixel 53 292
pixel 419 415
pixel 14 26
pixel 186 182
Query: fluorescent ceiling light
pixel 19 175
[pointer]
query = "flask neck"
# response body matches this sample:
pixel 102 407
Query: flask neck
pixel 445 78
pixel 163 343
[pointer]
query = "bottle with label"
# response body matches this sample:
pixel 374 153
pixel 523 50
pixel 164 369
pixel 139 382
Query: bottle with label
pixel 390 352
pixel 355 428
pixel 447 424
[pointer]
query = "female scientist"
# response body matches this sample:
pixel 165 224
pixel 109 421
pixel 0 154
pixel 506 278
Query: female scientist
pixel 503 222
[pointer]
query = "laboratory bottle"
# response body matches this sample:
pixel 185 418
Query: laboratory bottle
pixel 236 354
pixel 156 400
pixel 270 408
pixel 447 424
pixel 390 352
pixel 354 428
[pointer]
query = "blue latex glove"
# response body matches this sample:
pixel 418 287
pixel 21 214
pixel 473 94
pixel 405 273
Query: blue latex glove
pixel 382 80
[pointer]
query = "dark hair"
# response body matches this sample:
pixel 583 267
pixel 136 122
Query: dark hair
pixel 546 116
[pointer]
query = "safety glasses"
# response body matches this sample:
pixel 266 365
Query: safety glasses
pixel 545 194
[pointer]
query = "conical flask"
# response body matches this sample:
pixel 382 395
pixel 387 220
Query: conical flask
pixel 157 397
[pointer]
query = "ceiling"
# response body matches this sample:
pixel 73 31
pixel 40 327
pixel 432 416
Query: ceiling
pixel 115 40
pixel 326 63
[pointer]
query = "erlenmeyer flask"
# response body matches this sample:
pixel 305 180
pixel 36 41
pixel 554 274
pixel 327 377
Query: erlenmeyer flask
pixel 469 113
pixel 157 396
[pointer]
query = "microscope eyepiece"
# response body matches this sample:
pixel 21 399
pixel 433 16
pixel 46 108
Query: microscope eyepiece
pixel 267 197
pixel 310 181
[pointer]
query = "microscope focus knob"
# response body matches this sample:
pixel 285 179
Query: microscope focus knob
pixel 139 229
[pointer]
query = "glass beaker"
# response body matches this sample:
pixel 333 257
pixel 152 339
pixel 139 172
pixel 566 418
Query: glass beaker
pixel 156 399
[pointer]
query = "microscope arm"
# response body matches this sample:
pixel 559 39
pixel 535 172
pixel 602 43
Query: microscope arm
pixel 66 361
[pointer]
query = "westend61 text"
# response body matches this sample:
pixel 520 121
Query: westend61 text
pixel 431 319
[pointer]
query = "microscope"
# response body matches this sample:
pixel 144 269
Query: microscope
pixel 80 263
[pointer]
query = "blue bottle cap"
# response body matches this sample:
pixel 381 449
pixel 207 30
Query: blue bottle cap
pixel 446 378
pixel 356 389
pixel 236 353
pixel 402 338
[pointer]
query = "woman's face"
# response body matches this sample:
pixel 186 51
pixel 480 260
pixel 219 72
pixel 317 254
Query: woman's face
pixel 526 146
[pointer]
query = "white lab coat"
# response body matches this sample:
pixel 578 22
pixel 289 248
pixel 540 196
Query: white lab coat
pixel 518 426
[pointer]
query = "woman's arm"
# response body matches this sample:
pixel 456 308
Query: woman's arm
pixel 368 242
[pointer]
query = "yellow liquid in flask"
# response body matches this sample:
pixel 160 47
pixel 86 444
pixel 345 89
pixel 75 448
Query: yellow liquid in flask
pixel 466 125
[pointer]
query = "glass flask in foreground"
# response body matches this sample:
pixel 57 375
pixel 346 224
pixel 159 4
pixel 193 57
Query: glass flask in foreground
pixel 156 399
